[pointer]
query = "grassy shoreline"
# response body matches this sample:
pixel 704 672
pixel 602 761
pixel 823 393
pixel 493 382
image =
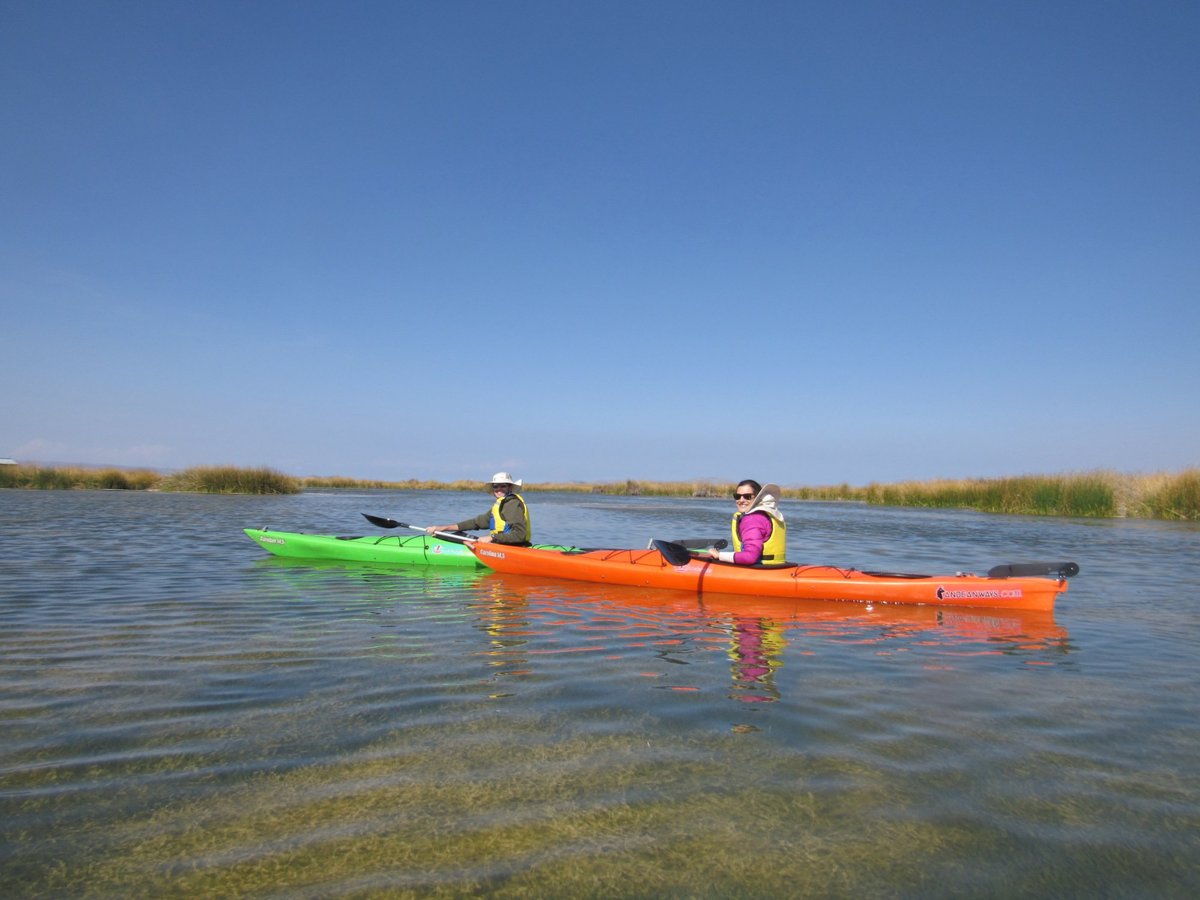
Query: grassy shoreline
pixel 1099 494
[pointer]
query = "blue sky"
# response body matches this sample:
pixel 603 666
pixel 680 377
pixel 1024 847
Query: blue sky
pixel 809 243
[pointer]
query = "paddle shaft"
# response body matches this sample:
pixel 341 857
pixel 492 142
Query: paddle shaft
pixel 1036 569
pixel 383 522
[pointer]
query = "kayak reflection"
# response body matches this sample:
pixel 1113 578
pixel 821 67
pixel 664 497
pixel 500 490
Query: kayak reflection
pixel 380 582
pixel 526 616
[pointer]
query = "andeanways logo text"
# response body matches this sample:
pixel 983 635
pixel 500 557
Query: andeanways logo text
pixel 979 594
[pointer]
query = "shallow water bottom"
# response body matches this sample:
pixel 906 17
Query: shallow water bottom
pixel 615 811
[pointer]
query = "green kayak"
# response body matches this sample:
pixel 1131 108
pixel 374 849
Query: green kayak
pixel 412 549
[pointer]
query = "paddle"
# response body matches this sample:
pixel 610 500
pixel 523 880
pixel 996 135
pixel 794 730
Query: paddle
pixel 457 536
pixel 1024 570
pixel 675 554
pixel 697 543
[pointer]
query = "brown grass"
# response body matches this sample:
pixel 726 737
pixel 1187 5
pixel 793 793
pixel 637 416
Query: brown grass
pixel 1097 494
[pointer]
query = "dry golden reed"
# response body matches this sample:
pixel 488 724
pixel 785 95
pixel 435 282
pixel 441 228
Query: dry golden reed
pixel 230 480
pixel 78 478
pixel 1097 494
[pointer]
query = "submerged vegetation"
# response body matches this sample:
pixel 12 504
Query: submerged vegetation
pixel 1100 494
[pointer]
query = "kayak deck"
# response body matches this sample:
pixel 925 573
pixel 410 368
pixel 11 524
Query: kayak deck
pixel 414 549
pixel 407 549
pixel 649 568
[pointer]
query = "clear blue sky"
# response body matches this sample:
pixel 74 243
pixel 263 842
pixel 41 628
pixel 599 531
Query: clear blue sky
pixel 809 243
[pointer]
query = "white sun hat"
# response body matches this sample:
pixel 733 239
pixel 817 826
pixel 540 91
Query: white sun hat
pixel 505 478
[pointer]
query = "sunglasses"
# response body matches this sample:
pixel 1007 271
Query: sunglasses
pixel 498 487
pixel 743 496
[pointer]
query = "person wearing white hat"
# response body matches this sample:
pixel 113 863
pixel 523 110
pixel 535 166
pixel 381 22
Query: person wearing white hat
pixel 507 522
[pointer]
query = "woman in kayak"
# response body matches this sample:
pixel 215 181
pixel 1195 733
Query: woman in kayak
pixel 759 532
pixel 507 521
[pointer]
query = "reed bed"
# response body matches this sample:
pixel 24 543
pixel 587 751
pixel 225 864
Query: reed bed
pixel 1170 497
pixel 230 480
pixel 1090 494
pixel 1099 494
pixel 78 478
pixel 410 484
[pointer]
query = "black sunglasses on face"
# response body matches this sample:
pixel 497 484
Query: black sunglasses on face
pixel 743 496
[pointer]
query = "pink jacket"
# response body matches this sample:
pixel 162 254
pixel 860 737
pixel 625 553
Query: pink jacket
pixel 754 529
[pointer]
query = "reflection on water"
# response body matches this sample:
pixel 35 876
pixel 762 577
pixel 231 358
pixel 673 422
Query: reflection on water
pixel 756 650
pixel 527 618
pixel 372 570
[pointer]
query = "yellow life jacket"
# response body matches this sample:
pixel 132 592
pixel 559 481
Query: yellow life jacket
pixel 775 549
pixel 499 526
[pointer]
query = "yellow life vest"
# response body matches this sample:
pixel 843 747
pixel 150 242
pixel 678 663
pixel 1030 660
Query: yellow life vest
pixel 775 549
pixel 499 526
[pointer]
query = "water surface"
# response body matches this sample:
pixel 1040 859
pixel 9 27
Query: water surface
pixel 183 715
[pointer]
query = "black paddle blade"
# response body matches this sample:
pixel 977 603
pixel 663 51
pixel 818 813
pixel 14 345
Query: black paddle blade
pixel 674 554
pixel 1035 570
pixel 382 522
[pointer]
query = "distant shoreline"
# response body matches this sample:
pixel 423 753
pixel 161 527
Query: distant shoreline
pixel 1099 494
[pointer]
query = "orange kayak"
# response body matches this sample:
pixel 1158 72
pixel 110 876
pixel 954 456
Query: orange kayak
pixel 1006 588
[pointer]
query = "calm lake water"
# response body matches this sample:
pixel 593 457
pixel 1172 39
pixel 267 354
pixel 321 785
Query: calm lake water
pixel 181 714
